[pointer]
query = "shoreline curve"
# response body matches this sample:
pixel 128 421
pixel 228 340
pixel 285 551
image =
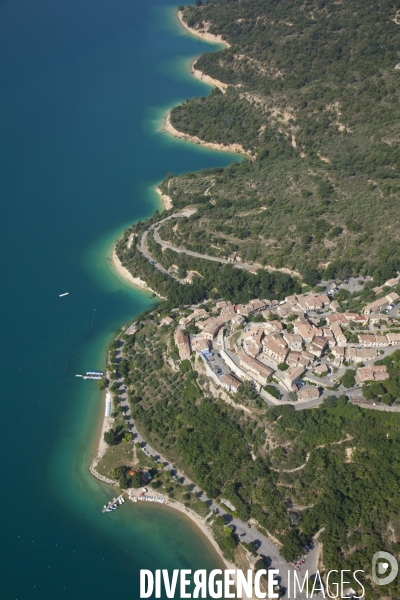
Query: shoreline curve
pixel 206 78
pixel 204 35
pixel 208 37
pixel 141 284
pixel 164 199
pixel 233 148
pixel 125 274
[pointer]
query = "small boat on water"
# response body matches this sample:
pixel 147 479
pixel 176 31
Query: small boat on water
pixel 62 295
pixel 113 504
pixel 92 375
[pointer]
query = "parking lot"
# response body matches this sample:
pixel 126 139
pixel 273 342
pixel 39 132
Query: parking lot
pixel 216 363
pixel 352 284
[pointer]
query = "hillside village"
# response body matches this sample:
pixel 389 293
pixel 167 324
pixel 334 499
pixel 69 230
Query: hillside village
pixel 296 350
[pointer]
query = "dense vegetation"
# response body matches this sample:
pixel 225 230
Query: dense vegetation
pixel 212 279
pixel 314 96
pixel 348 482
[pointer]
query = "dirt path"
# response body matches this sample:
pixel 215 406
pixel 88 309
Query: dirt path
pixel 348 439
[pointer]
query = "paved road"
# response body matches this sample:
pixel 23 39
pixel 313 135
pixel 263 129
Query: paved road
pixel 265 547
pixel 155 228
pixel 197 254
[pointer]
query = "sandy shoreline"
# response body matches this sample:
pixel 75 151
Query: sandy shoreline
pixel 169 128
pixel 209 37
pixel 206 78
pixel 166 200
pixel 194 517
pixel 204 35
pixel 206 531
pixel 137 282
pixel 123 271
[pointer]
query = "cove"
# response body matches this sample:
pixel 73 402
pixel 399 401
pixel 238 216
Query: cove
pixel 85 85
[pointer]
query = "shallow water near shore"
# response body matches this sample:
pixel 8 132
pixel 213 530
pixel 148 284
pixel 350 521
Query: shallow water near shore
pixel 83 87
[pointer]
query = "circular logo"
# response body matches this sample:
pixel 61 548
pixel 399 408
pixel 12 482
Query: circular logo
pixel 381 561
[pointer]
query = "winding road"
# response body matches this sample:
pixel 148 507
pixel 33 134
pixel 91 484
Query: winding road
pixel 155 228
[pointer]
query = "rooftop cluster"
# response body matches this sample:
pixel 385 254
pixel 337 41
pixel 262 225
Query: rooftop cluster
pixel 299 349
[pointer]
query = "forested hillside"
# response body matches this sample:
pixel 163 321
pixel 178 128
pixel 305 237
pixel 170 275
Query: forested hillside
pixel 314 96
pixel 335 467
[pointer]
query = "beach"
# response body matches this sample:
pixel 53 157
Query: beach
pixel 198 521
pixel 168 503
pixel 123 272
pixel 190 514
pixel 204 35
pixel 165 199
pixel 206 78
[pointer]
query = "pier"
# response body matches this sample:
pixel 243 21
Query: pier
pixel 114 501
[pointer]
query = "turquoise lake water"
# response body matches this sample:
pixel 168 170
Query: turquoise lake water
pixel 84 88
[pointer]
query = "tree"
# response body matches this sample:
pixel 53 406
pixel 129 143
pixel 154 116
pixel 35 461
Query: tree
pixel 259 318
pixel 283 366
pixel 259 565
pixel 123 482
pixel 271 389
pixel 137 480
pixel 367 393
pixel 348 380
pixel 387 399
pixel 311 276
pixel 330 401
pixel 110 437
pixel 292 545
pixel 377 389
pixel 292 396
pixel 118 472
pixel 247 391
pixel 102 383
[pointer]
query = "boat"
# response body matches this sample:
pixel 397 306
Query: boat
pixel 65 294
pixel 92 375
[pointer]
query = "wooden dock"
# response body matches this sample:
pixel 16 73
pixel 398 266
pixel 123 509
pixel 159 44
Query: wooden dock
pixel 113 501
